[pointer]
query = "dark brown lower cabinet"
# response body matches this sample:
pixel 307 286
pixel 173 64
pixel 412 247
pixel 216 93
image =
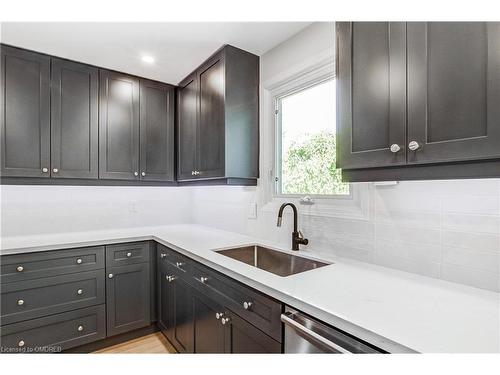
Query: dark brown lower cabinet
pixel 175 316
pixel 127 298
pixel 197 321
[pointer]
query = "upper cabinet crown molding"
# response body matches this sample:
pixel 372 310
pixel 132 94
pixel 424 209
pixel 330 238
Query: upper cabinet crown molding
pixel 418 100
pixel 218 119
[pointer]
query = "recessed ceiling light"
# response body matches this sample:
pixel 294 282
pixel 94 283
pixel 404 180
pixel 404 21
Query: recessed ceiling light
pixel 148 59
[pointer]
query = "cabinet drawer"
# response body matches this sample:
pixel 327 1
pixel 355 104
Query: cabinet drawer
pixel 179 261
pixel 35 298
pixel 127 253
pixel 55 332
pixel 258 309
pixel 29 266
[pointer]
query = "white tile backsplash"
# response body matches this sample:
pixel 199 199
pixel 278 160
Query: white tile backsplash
pixel 442 229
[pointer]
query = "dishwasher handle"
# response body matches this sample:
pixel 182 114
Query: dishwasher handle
pixel 287 318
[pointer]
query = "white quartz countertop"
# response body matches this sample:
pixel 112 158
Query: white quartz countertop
pixel 394 310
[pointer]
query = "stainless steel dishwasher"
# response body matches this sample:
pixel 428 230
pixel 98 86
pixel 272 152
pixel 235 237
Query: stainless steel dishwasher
pixel 306 335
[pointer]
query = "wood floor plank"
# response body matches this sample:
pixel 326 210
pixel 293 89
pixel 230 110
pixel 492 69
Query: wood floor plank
pixel 154 343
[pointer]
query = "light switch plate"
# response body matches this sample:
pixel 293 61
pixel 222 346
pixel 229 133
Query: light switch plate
pixel 252 210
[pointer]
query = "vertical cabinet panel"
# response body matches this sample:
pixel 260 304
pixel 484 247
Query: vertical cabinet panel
pixel 74 116
pixel 210 140
pixel 127 298
pixel 187 119
pixel 118 126
pixel 371 104
pixel 453 91
pixel 25 113
pixel 157 131
pixel 209 332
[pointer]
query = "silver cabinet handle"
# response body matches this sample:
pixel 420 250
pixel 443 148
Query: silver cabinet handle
pixel 20 269
pixel 395 148
pixel 129 255
pixel 136 174
pixel 80 328
pixel 171 278
pixel 203 279
pixel 285 318
pixel 79 261
pixel 179 264
pixel 55 170
pixel 20 343
pixel 163 255
pixel 111 275
pixel 20 302
pixel 143 174
pixel 413 145
pixel 44 170
pixel 224 320
pixel 247 305
pixel 79 292
pixel 219 315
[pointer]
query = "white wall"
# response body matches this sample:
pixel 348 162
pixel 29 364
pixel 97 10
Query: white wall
pixel 441 229
pixel 52 209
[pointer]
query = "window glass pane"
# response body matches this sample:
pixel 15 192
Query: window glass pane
pixel 308 142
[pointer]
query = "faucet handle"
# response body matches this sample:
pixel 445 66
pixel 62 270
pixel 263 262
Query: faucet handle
pixel 302 240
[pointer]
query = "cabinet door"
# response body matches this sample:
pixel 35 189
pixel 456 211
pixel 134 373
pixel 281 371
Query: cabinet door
pixel 371 94
pixel 157 131
pixel 25 113
pixel 210 140
pixel 187 121
pixel 127 298
pixel 74 113
pixel 118 126
pixel 209 332
pixel 165 320
pixel 453 91
pixel 179 298
pixel 245 338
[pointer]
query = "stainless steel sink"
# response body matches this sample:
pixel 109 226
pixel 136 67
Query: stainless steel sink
pixel 277 262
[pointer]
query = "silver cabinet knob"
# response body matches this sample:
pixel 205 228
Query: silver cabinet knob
pixel 79 261
pixel 79 292
pixel 171 278
pixel 136 173
pixel 129 255
pixel 55 170
pixel 224 320
pixel 44 170
pixel 143 174
pixel 247 305
pixel 179 264
pixel 20 269
pixel 395 148
pixel 163 255
pixel 80 328
pixel 203 279
pixel 413 145
pixel 111 276
pixel 20 343
pixel 219 315
pixel 20 302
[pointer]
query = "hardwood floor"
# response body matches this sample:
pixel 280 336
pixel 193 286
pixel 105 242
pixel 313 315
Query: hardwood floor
pixel 154 343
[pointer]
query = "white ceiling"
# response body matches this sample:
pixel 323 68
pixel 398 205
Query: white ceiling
pixel 178 47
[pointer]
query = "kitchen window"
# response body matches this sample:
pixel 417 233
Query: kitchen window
pixel 306 141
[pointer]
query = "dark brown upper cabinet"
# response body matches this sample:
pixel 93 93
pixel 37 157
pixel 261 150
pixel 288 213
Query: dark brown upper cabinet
pixel 371 84
pixel 157 131
pixel 25 113
pixel 453 91
pixel 136 128
pixel 118 126
pixel 74 116
pixel 218 119
pixel 418 100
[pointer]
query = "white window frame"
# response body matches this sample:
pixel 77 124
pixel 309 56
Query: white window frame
pixel 316 69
